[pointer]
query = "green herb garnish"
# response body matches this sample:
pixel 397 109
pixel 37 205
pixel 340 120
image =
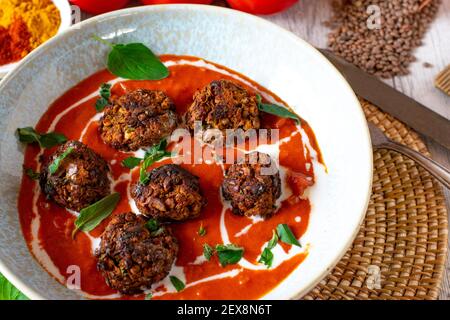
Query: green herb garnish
pixel 201 231
pixel 267 254
pixel 29 135
pixel 149 296
pixel 105 94
pixel 53 167
pixel 286 235
pixel 158 232
pixel 90 217
pixel 276 109
pixel 131 162
pixel 266 257
pixel 155 228
pixel 208 251
pixel 273 242
pixel 31 173
pixel 134 61
pixel 154 154
pixel 229 254
pixel 52 139
pixel 152 225
pixel 177 283
pixel 8 291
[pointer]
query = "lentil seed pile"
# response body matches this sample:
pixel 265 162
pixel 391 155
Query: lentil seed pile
pixel 387 51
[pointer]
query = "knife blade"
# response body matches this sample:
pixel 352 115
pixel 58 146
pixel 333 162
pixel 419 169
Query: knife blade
pixel 397 104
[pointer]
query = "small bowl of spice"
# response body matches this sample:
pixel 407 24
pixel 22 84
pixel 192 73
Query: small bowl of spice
pixel 26 24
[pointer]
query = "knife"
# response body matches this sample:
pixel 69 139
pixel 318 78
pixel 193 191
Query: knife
pixel 397 104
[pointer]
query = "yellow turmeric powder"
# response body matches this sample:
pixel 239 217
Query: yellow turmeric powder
pixel 41 17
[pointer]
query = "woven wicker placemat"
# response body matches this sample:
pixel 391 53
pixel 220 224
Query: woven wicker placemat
pixel 401 248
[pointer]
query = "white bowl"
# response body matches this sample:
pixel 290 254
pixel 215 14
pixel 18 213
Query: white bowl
pixel 273 57
pixel 66 21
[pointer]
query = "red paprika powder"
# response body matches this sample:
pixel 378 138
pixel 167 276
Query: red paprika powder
pixel 14 41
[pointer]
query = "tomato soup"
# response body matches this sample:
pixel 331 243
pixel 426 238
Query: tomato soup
pixel 47 227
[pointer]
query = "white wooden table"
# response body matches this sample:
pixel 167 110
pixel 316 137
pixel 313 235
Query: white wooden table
pixel 306 20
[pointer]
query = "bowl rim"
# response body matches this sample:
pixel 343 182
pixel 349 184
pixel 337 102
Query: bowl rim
pixel 65 12
pixel 33 294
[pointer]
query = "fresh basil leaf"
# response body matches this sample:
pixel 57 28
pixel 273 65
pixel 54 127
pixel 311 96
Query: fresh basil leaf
pixel 155 228
pixel 149 296
pixel 276 109
pixel 152 225
pixel 143 176
pixel 52 139
pixel 131 162
pixel 100 104
pixel 201 231
pixel 229 254
pixel 177 283
pixel 154 154
pixel 266 257
pixel 158 232
pixel 8 291
pixel 53 167
pixel 286 235
pixel 28 135
pixel 90 217
pixel 148 161
pixel 47 140
pixel 105 91
pixel 31 173
pixel 258 98
pixel 135 61
pixel 160 146
pixel 157 149
pixel 105 94
pixel 273 242
pixel 208 251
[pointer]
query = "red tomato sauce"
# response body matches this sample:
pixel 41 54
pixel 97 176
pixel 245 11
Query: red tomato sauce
pixel 56 223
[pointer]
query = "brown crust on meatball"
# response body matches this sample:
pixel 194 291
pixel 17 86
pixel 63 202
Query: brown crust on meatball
pixel 81 178
pixel 222 105
pixel 173 194
pixel 250 192
pixel 131 257
pixel 138 119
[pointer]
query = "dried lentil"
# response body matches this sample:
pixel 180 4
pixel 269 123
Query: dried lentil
pixel 387 51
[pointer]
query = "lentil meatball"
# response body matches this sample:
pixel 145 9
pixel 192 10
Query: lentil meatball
pixel 80 180
pixel 172 194
pixel 251 191
pixel 140 118
pixel 131 257
pixel 224 105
